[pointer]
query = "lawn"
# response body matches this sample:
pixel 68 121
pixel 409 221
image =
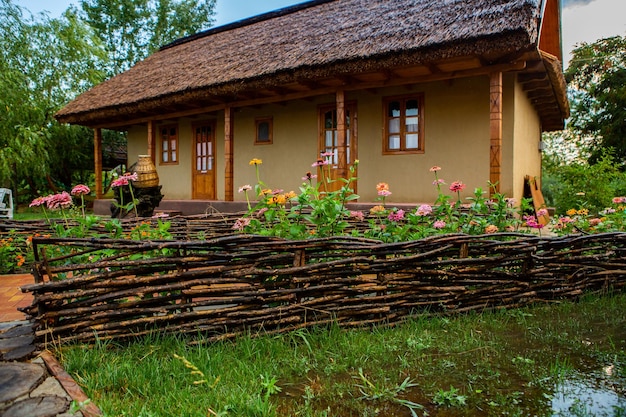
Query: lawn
pixel 511 362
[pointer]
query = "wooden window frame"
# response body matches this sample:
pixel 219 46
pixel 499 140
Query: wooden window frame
pixel 162 140
pixel 419 97
pixel 257 122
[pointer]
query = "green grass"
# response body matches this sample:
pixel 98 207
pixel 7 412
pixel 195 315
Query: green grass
pixel 489 364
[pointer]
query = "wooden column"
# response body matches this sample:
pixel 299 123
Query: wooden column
pixel 97 157
pixel 495 118
pixel 342 168
pixel 229 173
pixel 151 142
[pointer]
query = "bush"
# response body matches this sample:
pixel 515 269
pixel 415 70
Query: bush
pixel 578 185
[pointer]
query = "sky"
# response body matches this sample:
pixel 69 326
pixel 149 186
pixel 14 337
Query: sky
pixel 582 20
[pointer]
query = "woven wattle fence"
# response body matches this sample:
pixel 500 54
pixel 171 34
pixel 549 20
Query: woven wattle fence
pixel 238 284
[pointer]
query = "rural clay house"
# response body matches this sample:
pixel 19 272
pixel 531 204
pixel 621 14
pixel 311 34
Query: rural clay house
pixel 402 85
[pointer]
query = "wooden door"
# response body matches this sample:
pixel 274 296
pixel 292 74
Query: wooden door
pixel 327 143
pixel 203 164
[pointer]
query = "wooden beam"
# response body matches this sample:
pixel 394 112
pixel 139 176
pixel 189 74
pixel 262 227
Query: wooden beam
pixel 97 157
pixel 229 173
pixel 342 168
pixel 515 66
pixel 495 119
pixel 151 142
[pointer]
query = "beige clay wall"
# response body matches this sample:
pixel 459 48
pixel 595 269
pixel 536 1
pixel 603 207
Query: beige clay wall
pixel 456 139
pixel 527 133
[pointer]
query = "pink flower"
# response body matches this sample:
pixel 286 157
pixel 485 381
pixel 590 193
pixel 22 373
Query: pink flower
pixel 357 215
pixel 308 176
pixel 510 202
pixel 595 221
pixel 424 210
pixel 241 223
pixel 438 182
pixel 531 221
pixel 244 188
pixel 124 179
pixel 119 182
pixel 396 216
pixel 439 224
pixel 80 189
pixel 457 186
pixel 39 201
pixel 384 193
pixel 619 200
pixel 542 212
pixel 320 162
pixel 60 200
pixel 435 169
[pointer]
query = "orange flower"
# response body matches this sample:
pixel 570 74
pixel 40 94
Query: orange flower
pixel 382 186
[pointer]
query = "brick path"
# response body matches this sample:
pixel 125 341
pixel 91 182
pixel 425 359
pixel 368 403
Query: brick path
pixel 11 297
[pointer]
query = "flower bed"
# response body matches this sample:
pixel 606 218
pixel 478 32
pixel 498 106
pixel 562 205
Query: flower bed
pixel 231 285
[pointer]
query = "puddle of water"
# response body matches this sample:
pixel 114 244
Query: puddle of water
pixel 586 397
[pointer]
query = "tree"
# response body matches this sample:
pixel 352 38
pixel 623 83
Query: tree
pixel 133 29
pixel 43 64
pixel 597 81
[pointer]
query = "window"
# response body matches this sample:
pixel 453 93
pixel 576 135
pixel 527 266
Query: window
pixel 264 131
pixel 404 124
pixel 169 144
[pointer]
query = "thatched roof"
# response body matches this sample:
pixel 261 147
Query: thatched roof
pixel 306 44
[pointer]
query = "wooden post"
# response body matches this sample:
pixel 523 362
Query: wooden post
pixel 97 157
pixel 228 155
pixel 342 163
pixel 151 142
pixel 495 118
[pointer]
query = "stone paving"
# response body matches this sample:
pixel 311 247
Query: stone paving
pixel 32 383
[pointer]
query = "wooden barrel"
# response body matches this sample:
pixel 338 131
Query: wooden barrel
pixel 146 173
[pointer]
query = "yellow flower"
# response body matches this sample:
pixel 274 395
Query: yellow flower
pixel 582 212
pixel 255 161
pixel 290 195
pixel 377 209
pixel 571 212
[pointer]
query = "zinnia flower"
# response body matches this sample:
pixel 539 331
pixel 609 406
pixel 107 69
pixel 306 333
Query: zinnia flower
pixel 542 212
pixel 308 176
pixel 244 188
pixel 382 186
pixel 439 224
pixel 384 193
pixel 60 200
pixel 377 209
pixel 619 200
pixel 241 223
pixel 358 215
pixel 492 228
pixel 80 189
pixel 255 161
pixel 39 201
pixel 396 215
pixel 424 210
pixel 435 169
pixel 457 186
pixel 320 162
